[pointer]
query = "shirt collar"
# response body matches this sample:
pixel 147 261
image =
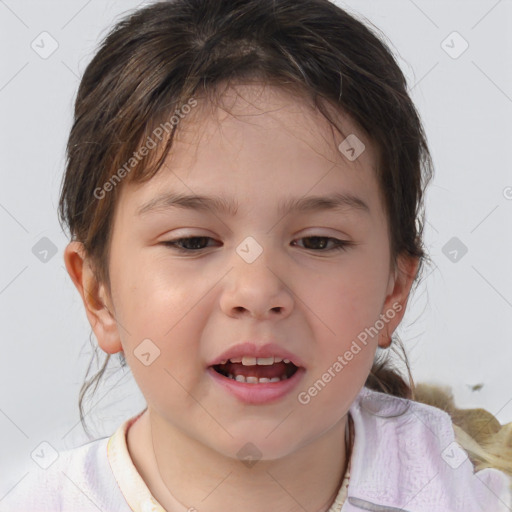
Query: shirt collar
pixel 135 490
pixel 131 484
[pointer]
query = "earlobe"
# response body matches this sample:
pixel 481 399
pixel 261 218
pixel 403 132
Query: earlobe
pixel 399 287
pixel 94 296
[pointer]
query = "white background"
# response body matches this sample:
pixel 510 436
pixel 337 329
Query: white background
pixel 458 330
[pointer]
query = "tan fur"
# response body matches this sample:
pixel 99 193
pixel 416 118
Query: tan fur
pixel 488 443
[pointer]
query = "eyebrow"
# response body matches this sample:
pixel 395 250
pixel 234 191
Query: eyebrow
pixel 336 202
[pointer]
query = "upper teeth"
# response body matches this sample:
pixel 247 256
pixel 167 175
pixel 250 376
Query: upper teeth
pixel 251 361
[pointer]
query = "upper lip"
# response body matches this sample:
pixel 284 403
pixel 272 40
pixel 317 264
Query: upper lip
pixel 253 349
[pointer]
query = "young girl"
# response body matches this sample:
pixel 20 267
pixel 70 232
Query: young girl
pixel 244 189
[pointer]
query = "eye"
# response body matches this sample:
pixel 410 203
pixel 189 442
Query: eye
pixel 320 242
pixel 188 244
pixel 315 243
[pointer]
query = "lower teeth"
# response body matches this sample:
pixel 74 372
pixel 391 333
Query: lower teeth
pixel 255 380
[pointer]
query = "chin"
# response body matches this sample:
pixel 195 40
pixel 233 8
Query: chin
pixel 260 447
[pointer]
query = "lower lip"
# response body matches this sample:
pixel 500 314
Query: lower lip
pixel 264 393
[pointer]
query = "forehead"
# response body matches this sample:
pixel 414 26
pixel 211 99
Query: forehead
pixel 256 109
pixel 260 138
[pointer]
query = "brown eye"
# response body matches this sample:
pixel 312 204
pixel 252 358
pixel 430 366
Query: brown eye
pixel 319 243
pixel 188 244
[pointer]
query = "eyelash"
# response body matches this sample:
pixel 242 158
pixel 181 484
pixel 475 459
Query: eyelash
pixel 338 244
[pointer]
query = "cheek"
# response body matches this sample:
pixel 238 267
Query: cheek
pixel 162 350
pixel 150 295
pixel 157 322
pixel 348 298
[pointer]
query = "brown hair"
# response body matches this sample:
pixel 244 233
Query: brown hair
pixel 156 59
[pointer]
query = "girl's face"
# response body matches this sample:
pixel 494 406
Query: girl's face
pixel 255 272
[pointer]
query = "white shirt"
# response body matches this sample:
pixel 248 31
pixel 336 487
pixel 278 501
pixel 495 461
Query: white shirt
pixel 405 458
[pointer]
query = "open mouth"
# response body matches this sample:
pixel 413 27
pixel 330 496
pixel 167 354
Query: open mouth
pixel 256 373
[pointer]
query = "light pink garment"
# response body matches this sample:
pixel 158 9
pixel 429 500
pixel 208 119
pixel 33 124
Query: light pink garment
pixel 405 459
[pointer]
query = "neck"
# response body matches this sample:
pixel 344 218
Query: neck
pixel 184 475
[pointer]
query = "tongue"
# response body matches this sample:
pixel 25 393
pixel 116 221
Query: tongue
pixel 257 370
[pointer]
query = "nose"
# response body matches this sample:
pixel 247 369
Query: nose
pixel 257 289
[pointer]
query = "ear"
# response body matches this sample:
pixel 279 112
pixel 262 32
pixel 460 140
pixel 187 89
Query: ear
pixel 399 285
pixel 94 295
